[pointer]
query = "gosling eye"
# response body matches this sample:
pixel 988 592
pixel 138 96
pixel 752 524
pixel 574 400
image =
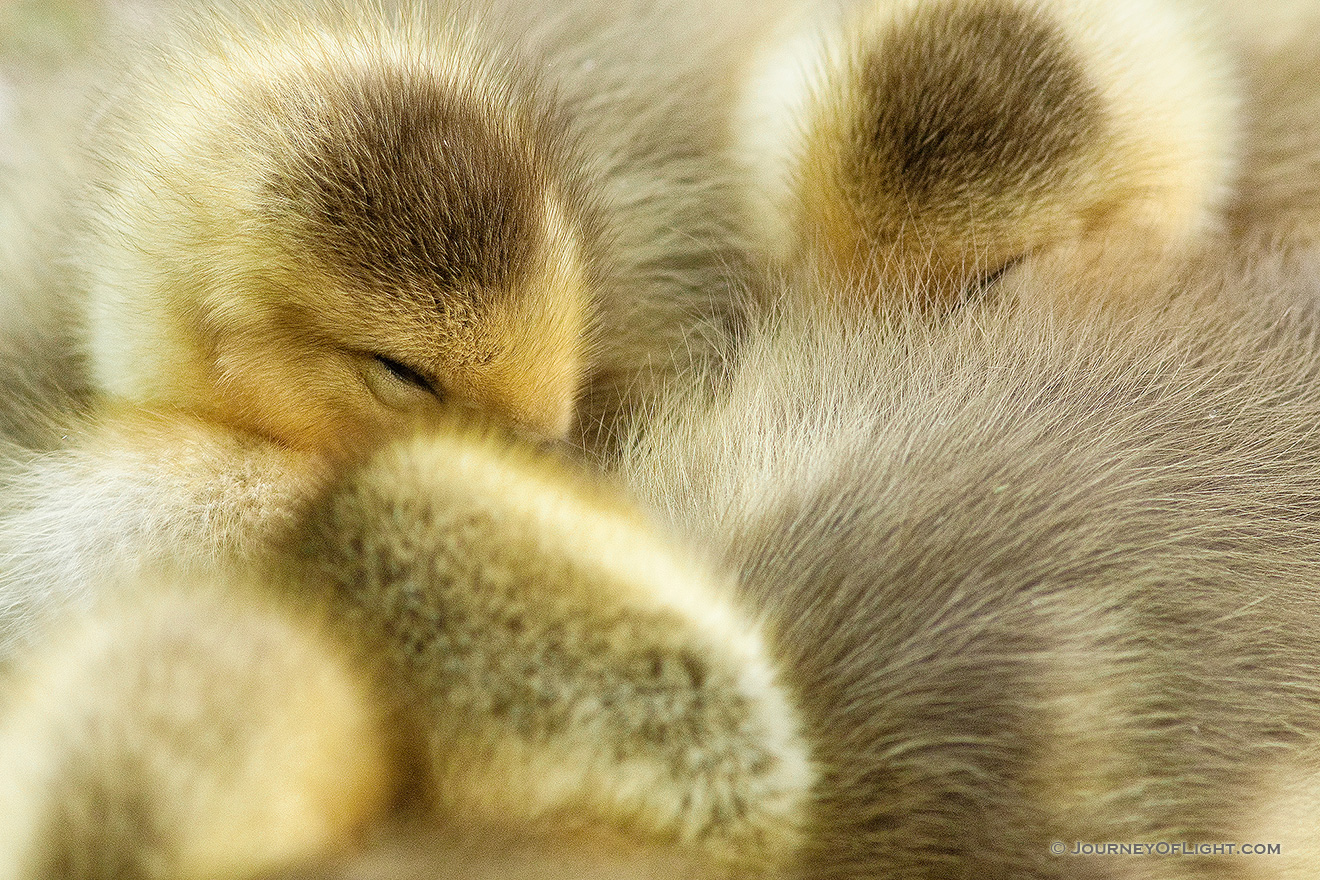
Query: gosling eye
pixel 398 385
pixel 407 375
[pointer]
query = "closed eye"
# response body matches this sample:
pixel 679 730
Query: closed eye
pixel 404 374
pixel 407 375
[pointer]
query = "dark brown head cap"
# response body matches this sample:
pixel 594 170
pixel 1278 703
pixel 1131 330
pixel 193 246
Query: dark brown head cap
pixel 959 135
pixel 406 182
pixel 968 105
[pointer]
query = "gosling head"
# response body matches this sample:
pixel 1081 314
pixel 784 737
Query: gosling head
pixel 314 242
pixel 928 147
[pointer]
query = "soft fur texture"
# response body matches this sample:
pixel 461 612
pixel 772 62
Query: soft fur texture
pixel 195 732
pixel 1277 200
pixel 1034 575
pixel 128 492
pixel 1039 575
pixel 552 672
pixel 896 597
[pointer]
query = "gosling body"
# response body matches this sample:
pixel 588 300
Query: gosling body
pixel 466 656
pixel 1038 575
